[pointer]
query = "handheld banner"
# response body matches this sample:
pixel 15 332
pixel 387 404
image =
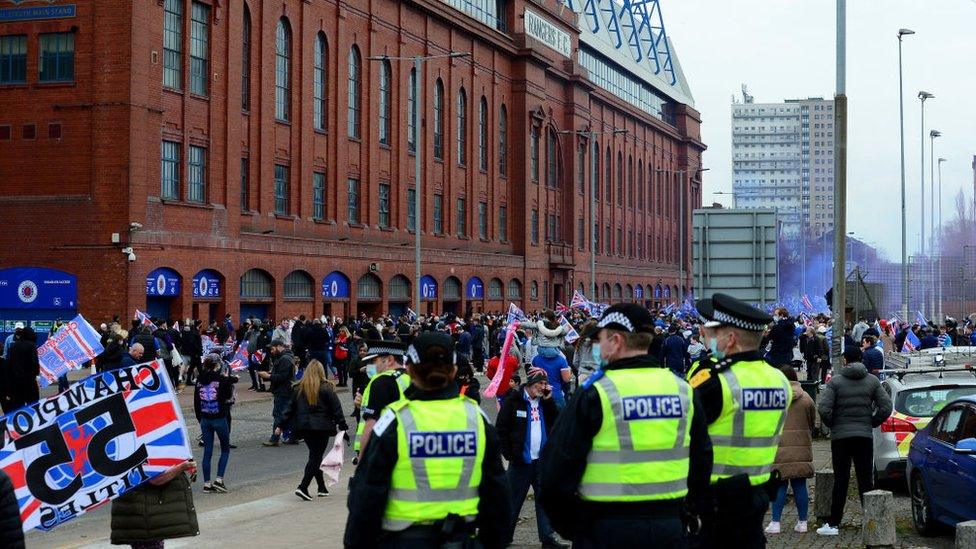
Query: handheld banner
pixel 73 345
pixel 78 450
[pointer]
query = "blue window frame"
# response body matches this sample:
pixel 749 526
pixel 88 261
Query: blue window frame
pixel 196 180
pixel 173 44
pixel 57 57
pixel 281 189
pixel 13 59
pixel 170 171
pixel 199 47
pixel 318 195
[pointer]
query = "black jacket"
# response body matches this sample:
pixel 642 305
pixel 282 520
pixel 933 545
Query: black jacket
pixel 317 339
pixel 22 369
pixel 370 487
pixel 325 415
pixel 569 443
pixel 11 531
pixel 782 339
pixel 282 373
pixel 512 426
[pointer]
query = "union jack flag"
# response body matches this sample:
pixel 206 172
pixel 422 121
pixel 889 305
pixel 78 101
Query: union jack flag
pixel 147 403
pixel 579 300
pixel 144 319
pixel 257 356
pixel 805 300
pixel 561 309
pixel 239 362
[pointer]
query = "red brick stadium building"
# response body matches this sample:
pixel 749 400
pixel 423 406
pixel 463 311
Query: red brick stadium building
pixel 196 157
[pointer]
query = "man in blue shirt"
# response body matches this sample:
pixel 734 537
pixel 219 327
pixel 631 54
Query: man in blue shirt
pixel 557 369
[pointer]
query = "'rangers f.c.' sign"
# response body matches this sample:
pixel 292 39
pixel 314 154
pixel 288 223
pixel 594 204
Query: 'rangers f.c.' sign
pixel 547 33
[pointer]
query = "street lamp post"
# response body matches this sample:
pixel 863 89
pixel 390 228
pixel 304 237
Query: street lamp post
pixel 941 160
pixel 591 135
pixel 904 226
pixel 932 241
pixel 418 61
pixel 922 96
pixel 840 190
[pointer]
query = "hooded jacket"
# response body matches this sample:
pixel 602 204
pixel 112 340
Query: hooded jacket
pixel 853 403
pixel 794 457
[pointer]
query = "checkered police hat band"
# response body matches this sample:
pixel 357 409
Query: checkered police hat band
pixel 616 318
pixel 730 320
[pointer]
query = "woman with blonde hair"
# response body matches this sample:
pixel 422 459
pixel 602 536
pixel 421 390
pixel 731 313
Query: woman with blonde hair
pixel 314 415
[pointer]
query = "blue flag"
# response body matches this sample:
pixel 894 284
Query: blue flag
pixel 911 342
pixel 920 318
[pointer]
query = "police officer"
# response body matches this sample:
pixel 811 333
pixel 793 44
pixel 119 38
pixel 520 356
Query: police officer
pixel 432 474
pixel 629 448
pixel 388 380
pixel 745 401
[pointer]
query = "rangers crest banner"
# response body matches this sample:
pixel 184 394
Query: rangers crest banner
pixel 106 435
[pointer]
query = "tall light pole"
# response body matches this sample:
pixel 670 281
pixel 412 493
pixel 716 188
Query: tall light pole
pixel 922 96
pixel 904 226
pixel 418 61
pixel 941 160
pixel 840 190
pixel 934 306
pixel 591 136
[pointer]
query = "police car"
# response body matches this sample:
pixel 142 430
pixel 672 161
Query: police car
pixel 918 394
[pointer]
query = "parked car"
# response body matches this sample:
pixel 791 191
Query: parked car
pixel 917 395
pixel 942 468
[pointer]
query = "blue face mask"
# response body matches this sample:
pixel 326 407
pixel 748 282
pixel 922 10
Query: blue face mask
pixel 370 370
pixel 595 351
pixel 713 344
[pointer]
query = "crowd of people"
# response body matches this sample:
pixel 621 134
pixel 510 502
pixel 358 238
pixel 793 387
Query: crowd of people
pixel 566 415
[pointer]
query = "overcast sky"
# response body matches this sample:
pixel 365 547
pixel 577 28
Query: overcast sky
pixel 786 49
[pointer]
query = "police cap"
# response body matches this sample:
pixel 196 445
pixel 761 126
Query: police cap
pixel 376 348
pixel 626 317
pixel 725 310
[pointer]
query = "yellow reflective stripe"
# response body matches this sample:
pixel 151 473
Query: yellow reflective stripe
pixel 630 489
pixel 732 470
pixel 636 456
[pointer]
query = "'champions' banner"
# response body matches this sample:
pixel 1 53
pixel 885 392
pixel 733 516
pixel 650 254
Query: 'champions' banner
pixel 76 451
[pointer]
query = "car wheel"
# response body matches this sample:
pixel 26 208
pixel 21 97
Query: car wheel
pixel 921 508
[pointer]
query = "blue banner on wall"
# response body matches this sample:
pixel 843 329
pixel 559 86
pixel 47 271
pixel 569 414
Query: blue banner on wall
pixel 475 288
pixel 35 13
pixel 206 284
pixel 163 282
pixel 335 286
pixel 37 288
pixel 428 288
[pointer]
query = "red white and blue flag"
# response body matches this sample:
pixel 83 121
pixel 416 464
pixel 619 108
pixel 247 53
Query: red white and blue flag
pixel 73 345
pixel 572 335
pixel 144 320
pixel 514 313
pixel 579 301
pixel 805 300
pixel 257 356
pixel 911 342
pixel 239 362
pixel 78 450
pixel 561 309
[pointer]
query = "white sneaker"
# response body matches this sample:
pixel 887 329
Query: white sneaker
pixel 827 530
pixel 773 528
pixel 801 527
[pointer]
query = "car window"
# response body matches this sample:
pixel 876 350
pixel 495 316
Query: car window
pixel 968 429
pixel 948 424
pixel 926 402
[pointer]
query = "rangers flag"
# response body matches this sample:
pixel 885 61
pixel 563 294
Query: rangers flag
pixel 78 450
pixel 144 319
pixel 73 345
pixel 911 342
pixel 240 360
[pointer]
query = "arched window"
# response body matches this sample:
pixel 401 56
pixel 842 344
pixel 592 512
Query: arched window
pixel 369 287
pixel 412 112
pixel 503 141
pixel 483 134
pixel 650 188
pixel 606 291
pixel 629 292
pixel 462 126
pixel 495 289
pixel 630 181
pixel 514 289
pixel 439 120
pixel 283 71
pixel 534 291
pixel 608 179
pixel 452 289
pixel 246 60
pixel 640 185
pixel 620 178
pixel 617 292
pixel 386 84
pixel 596 171
pixel 399 288
pixel 355 88
pixel 319 83
pixel 256 283
pixel 298 285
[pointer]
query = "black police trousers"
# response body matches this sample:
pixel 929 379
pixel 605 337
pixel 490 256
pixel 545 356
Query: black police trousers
pixel 735 520
pixel 633 531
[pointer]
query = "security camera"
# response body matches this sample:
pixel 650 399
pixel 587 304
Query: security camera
pixel 131 257
pixel 135 226
pixel 127 250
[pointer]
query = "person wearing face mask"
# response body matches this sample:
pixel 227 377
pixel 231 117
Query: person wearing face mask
pixel 388 379
pixel 744 402
pixel 629 449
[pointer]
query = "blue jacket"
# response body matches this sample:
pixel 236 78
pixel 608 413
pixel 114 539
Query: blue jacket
pixel 873 360
pixel 675 352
